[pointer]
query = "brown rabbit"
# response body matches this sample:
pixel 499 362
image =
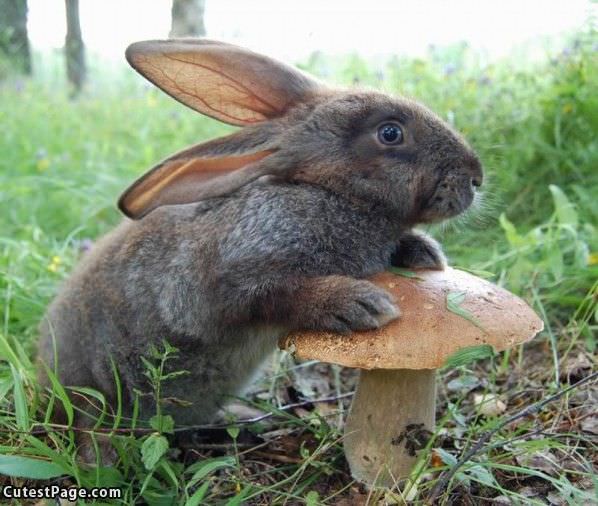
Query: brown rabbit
pixel 236 241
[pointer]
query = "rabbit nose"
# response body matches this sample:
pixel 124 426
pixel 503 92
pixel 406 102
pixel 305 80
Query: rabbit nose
pixel 477 175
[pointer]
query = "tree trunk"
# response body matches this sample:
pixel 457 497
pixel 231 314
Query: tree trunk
pixel 14 42
pixel 187 18
pixel 74 48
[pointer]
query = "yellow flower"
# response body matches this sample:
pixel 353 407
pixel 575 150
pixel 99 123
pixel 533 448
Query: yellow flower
pixel 43 164
pixel 54 264
pixel 567 108
pixel 151 100
pixel 593 258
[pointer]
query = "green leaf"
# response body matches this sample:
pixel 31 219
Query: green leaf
pixel 162 423
pixel 206 467
pixel 554 259
pixel 159 497
pixel 7 353
pixel 152 450
pixel 169 471
pixel 482 474
pixel 476 272
pixel 42 449
pixel 20 400
pixel 564 209
pixel 175 374
pixel 6 386
pixel 239 498
pixel 154 352
pixel 233 432
pixel 149 366
pixel 448 458
pixel 91 392
pixel 168 348
pixel 510 231
pixel 469 354
pixel 399 271
pixel 99 396
pixel 59 391
pixel 312 498
pixel 24 467
pixel 198 495
pixel 519 273
pixel 455 299
pixel 107 476
pixel 453 304
pixel 118 390
pixel 463 383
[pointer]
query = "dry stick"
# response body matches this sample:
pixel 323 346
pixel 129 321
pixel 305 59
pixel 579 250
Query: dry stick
pixel 268 414
pixel 145 430
pixel 446 476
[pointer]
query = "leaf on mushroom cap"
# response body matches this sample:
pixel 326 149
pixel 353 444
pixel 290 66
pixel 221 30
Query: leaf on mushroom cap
pixel 428 332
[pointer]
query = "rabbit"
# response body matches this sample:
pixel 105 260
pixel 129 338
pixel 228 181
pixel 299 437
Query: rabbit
pixel 232 243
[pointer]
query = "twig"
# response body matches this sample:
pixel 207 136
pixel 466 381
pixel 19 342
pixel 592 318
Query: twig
pixel 446 476
pixel 277 457
pixel 146 430
pixel 268 414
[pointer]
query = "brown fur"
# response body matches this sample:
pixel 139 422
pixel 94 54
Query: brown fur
pixel 279 242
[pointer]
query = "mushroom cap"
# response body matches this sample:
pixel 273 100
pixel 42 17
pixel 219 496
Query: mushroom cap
pixel 442 312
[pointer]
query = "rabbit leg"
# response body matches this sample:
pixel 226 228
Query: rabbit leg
pixel 96 449
pixel 339 304
pixel 93 446
pixel 417 250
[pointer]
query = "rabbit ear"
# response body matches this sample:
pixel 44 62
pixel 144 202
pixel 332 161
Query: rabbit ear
pixel 206 170
pixel 226 82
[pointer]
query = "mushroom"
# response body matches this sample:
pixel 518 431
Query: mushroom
pixel 443 313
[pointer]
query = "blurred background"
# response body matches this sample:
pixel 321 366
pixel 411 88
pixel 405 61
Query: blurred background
pixel 293 30
pixel 518 78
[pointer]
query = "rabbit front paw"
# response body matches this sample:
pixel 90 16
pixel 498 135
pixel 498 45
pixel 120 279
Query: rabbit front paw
pixel 417 250
pixel 349 305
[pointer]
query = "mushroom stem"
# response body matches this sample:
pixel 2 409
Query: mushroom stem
pixel 388 422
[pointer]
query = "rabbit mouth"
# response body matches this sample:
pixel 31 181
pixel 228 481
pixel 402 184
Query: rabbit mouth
pixel 448 200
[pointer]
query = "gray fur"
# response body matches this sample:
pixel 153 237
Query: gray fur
pixel 222 279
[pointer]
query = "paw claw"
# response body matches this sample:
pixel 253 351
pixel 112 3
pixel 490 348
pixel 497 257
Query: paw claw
pixel 363 306
pixel 419 251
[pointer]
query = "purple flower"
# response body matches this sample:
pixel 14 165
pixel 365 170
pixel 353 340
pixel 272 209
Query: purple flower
pixel 85 245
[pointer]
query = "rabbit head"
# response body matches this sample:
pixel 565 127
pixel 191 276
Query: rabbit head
pixel 369 146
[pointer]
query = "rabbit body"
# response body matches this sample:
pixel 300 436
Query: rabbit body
pixel 220 280
pixel 239 240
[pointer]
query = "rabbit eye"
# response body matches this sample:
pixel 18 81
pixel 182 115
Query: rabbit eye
pixel 390 133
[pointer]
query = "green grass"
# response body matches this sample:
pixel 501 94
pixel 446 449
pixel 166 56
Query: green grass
pixel 534 125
